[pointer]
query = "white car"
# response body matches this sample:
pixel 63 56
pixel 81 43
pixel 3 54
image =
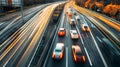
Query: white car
pixel 74 13
pixel 58 51
pixel 72 22
pixel 74 34
pixel 77 18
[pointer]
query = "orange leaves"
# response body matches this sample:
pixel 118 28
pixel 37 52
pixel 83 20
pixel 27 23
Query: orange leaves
pixel 111 9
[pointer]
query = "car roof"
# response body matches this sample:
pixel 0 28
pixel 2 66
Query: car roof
pixel 59 46
pixel 77 48
pixel 85 24
pixel 72 19
pixel 61 28
pixel 73 31
pixel 77 16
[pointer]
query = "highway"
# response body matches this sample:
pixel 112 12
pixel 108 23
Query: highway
pixel 24 41
pixel 33 42
pixel 91 44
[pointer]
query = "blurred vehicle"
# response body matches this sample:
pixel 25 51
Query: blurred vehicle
pixel 72 22
pixel 74 13
pixel 77 18
pixel 85 27
pixel 69 13
pixel 61 32
pixel 74 34
pixel 77 54
pixel 58 51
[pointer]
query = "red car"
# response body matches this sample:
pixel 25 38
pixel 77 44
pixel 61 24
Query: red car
pixel 61 32
pixel 77 54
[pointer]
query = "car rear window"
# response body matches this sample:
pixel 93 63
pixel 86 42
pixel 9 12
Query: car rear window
pixel 57 50
pixel 78 54
pixel 61 30
pixel 74 33
pixel 85 27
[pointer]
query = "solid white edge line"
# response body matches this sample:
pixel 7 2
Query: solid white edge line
pixel 88 56
pixel 104 62
pixel 66 56
pixel 99 39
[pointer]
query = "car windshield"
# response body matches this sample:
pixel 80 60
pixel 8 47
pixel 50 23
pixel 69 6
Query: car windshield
pixel 85 27
pixel 74 33
pixel 78 54
pixel 61 30
pixel 72 21
pixel 57 50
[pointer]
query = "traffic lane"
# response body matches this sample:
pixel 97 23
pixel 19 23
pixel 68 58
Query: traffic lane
pixel 107 30
pixel 11 38
pixel 95 37
pixel 116 33
pixel 17 18
pixel 88 43
pixel 24 42
pixel 4 24
pixel 69 44
pixel 107 50
pixel 90 50
pixel 16 14
pixel 24 31
pixel 26 58
pixel 50 61
pixel 102 36
pixel 11 28
pixel 67 60
pixel 56 63
pixel 16 44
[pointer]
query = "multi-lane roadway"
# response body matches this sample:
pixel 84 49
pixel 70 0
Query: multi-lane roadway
pixel 97 52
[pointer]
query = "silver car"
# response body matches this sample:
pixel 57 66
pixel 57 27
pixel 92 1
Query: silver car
pixel 58 51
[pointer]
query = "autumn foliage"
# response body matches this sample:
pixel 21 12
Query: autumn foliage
pixel 109 9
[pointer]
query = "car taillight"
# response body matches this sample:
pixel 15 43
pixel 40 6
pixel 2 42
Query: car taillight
pixel 60 56
pixel 83 29
pixel 75 58
pixel 83 58
pixel 88 29
pixel 61 33
pixel 53 55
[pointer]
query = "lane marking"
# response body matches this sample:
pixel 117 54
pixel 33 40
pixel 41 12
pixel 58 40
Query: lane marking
pixel 93 26
pixel 85 48
pixel 66 56
pixel 80 35
pixel 104 62
pixel 62 21
pixel 52 44
pixel 67 32
pixel 99 39
pixel 88 56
